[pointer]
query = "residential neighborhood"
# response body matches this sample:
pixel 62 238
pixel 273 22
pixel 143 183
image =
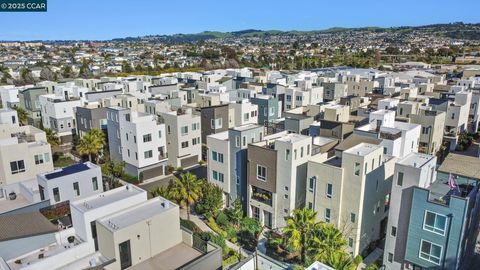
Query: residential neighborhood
pixel 344 148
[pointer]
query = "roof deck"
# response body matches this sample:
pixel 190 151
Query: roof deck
pixel 172 258
pixel 363 149
pixel 106 198
pixel 137 213
pixel 416 160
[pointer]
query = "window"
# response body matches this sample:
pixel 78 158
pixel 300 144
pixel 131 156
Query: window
pixel 329 190
pixel 148 154
pixel 400 179
pixel 301 152
pixel 76 188
pixel 434 222
pixel 95 183
pixel 261 173
pixel 390 257
pixel 393 232
pixel 46 157
pixel 246 116
pixel 56 194
pixel 184 130
pixel 135 139
pixel 311 184
pixel 127 117
pixel 147 138
pixel 39 159
pixel 356 168
pixel 218 176
pixel 220 157
pixel 237 141
pixel 136 156
pixel 310 205
pixel 185 144
pixel 453 115
pixel 159 134
pixel 214 155
pixel 295 154
pixel 285 196
pixel 327 215
pixel 366 166
pixel 244 141
pixel 195 141
pixel 195 126
pixel 287 154
pixel 216 123
pixel 430 252
pixel 308 149
pixel 353 217
pixel 126 136
pixel 350 242
pixel 17 166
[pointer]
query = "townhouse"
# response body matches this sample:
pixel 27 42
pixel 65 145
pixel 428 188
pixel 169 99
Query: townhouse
pixel 139 139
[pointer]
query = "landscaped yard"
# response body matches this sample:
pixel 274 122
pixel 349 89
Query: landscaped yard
pixel 60 161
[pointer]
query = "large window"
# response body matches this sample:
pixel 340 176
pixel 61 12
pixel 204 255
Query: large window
pixel 185 144
pixel 39 159
pixel 147 138
pixel 148 154
pixel 184 130
pixel 216 123
pixel 17 166
pixel 435 222
pixel 261 173
pixel 218 176
pixel 214 156
pixel 256 213
pixel 430 252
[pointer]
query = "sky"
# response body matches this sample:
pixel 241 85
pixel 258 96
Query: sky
pixel 107 19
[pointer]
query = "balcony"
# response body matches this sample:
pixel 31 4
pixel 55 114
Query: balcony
pixel 262 196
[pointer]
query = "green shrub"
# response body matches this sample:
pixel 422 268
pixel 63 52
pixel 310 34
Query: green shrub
pixel 190 225
pixel 130 179
pixel 213 225
pixel 231 234
pixel 222 219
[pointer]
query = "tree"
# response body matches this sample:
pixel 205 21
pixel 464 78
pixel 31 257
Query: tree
pixel 52 137
pixel 298 230
pixel 325 241
pixel 112 169
pixel 342 261
pixel 235 212
pixel 161 192
pixel 186 190
pixel 211 201
pixel 22 115
pixel 92 143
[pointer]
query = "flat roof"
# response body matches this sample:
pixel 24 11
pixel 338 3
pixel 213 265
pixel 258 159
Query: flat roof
pixel 356 139
pixel 246 127
pixel 293 138
pixel 76 168
pixel 106 198
pixel 416 160
pixel 172 258
pixel 137 213
pixel 363 149
pixel 219 136
pixel 461 165
pixel 24 225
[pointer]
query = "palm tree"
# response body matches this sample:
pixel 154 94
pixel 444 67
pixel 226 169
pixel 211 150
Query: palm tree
pixel 342 261
pixel 298 229
pixel 52 137
pixel 112 169
pixel 325 240
pixel 186 190
pixel 161 192
pixel 92 143
pixel 22 115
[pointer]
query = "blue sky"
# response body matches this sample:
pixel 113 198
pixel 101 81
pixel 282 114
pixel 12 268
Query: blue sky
pixel 106 19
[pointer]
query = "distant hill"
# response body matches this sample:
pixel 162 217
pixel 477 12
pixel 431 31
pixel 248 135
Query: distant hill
pixel 456 30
